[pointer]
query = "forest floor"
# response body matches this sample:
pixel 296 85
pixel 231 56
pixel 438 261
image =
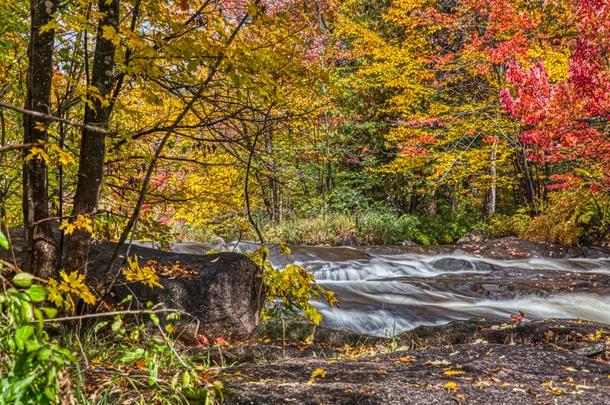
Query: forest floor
pixel 550 361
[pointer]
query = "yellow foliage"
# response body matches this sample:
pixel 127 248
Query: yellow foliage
pixel 556 61
pixel 145 275
pixel 38 153
pixel 453 373
pixel 317 373
pixel 451 386
pixel 292 287
pixel 81 222
pixel 62 291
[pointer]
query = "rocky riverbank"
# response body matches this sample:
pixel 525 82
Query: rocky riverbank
pixel 549 361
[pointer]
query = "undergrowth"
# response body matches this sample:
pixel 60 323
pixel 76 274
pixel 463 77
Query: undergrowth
pixel 124 355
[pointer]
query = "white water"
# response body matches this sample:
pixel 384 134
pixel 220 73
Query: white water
pixel 376 306
pixel 383 294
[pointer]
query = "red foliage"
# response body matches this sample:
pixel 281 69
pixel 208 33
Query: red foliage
pixel 568 121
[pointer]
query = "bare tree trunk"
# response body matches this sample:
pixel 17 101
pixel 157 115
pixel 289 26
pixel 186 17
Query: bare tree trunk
pixel 528 191
pixel 42 253
pixel 93 145
pixel 491 196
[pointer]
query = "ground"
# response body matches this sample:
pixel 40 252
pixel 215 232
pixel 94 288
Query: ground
pixel 463 362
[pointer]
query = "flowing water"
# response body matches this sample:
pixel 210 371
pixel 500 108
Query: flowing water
pixel 383 294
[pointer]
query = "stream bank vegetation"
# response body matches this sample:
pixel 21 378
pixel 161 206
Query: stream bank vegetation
pixel 310 122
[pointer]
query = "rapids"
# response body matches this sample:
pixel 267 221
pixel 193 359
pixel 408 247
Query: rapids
pixel 384 294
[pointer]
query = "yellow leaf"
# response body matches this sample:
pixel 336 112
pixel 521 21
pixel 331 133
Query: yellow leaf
pixel 317 373
pixel 145 275
pixel 61 291
pixel 38 153
pixel 451 373
pixel 452 386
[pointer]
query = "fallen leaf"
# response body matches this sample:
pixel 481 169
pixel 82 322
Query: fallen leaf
pixel 317 373
pixel 451 373
pixel 452 386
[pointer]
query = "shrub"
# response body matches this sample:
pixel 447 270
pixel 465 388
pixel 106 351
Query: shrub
pixel 500 225
pixel 32 365
pixel 572 217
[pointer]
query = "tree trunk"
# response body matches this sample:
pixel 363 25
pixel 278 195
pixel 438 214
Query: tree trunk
pixel 42 253
pixel 491 194
pixel 93 145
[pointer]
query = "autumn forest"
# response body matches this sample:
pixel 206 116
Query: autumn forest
pixel 127 125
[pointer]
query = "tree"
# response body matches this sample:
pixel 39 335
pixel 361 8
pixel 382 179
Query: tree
pixel 101 95
pixel 42 252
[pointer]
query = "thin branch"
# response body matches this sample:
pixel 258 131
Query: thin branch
pixel 112 314
pixel 47 117
pixel 20 146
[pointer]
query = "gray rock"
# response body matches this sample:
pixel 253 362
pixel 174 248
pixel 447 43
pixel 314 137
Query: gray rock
pixel 224 291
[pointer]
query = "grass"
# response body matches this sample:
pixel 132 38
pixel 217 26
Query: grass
pixel 133 364
pixel 373 227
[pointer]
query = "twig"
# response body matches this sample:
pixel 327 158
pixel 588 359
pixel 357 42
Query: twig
pixel 19 146
pixel 82 351
pixel 48 117
pixel 171 347
pixel 109 314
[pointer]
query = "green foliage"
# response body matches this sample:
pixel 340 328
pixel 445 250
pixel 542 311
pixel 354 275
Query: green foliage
pixel 375 227
pixel 3 241
pixel 32 365
pixel 164 376
pixel 501 225
pixel 290 289
pixel 325 229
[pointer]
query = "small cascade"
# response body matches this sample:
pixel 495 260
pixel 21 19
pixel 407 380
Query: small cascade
pixel 384 294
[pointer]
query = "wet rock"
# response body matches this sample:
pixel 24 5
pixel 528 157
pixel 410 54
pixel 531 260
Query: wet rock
pixel 509 283
pixel 453 264
pixel 223 291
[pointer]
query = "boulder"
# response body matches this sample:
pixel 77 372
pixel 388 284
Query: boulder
pixel 224 291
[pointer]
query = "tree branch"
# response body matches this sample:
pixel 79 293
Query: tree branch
pixel 47 117
pixel 19 146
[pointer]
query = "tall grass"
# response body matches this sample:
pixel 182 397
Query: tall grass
pixel 369 228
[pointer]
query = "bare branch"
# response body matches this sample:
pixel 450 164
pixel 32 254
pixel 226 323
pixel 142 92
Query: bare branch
pixel 47 117
pixel 8 148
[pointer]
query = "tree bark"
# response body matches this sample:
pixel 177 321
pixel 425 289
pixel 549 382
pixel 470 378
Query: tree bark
pixel 491 196
pixel 42 253
pixel 93 144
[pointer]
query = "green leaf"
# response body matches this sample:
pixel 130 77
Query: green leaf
pixel 155 319
pixel 132 356
pixel 45 354
pixel 49 312
pixel 186 379
pixel 23 280
pixel 22 334
pixel 98 326
pixel 125 300
pixel 37 293
pixel 3 241
pixel 116 325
